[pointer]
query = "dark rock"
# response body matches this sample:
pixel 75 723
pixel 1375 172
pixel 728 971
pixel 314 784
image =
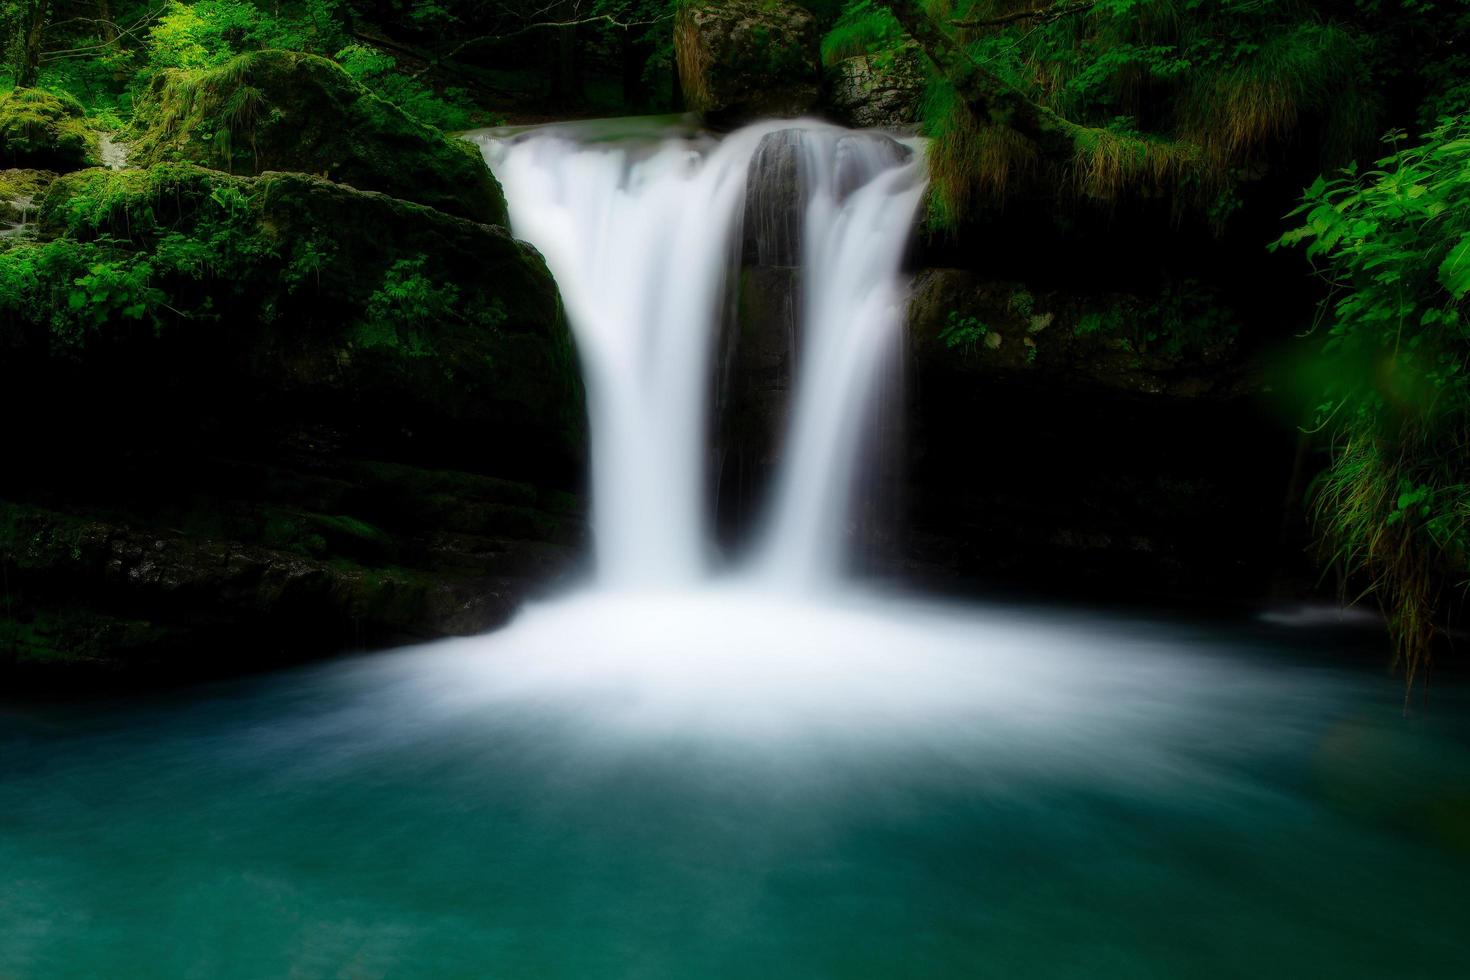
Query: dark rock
pixel 139 599
pixel 743 59
pixel 1103 444
pixel 753 400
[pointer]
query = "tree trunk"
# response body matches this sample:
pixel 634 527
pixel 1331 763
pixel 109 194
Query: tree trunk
pixel 106 26
pixel 634 55
pixel 29 69
pixel 565 89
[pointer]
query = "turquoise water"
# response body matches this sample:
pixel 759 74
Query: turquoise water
pixel 666 788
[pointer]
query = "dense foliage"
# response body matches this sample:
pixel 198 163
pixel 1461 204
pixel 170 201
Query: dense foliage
pixel 1186 99
pixel 1393 244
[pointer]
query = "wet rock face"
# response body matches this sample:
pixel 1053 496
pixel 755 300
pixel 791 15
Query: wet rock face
pixel 288 111
pixel 761 340
pixel 21 192
pixel 774 203
pixel 882 91
pixel 743 59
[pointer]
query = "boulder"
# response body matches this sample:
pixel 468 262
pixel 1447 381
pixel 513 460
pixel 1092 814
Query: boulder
pixel 289 111
pixel 742 59
pixel 45 131
pixel 333 419
pixel 884 90
pixel 315 299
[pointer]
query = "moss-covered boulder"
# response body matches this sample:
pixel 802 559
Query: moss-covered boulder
pixel 314 418
pixel 309 297
pixel 742 59
pixel 883 90
pixel 45 131
pixel 289 111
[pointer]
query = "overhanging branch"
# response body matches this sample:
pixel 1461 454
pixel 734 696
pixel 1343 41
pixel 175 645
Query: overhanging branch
pixel 1041 15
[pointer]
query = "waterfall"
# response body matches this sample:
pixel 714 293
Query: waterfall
pixel 643 237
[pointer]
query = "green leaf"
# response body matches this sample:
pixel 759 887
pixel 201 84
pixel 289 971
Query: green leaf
pixel 1454 271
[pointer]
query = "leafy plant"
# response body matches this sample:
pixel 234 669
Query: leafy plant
pixel 962 332
pixel 1393 243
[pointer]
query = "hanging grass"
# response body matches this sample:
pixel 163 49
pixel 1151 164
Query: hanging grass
pixel 1393 527
pixel 1168 97
pixel 862 29
pixel 970 165
pixel 1312 70
pixel 1109 166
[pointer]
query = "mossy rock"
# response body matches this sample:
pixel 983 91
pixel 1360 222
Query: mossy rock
pixel 45 131
pixel 743 59
pixel 313 300
pixel 884 90
pixel 289 111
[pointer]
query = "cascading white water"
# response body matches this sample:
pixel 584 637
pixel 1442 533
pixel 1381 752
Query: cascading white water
pixel 642 240
pixel 862 193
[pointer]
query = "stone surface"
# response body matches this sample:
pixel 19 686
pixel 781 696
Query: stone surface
pixel 881 91
pixel 743 59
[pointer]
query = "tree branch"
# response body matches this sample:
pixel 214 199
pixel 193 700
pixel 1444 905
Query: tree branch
pixel 1042 15
pixel 989 97
pixel 608 19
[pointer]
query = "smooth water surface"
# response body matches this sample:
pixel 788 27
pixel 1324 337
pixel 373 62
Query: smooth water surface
pixel 721 784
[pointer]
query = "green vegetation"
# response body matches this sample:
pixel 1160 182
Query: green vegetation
pixel 1393 244
pixel 107 56
pixel 1179 100
pixel 283 110
pixel 44 131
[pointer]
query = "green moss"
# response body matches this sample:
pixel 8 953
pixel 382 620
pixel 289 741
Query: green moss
pixel 288 111
pixel 45 131
pixel 325 535
pixel 68 636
